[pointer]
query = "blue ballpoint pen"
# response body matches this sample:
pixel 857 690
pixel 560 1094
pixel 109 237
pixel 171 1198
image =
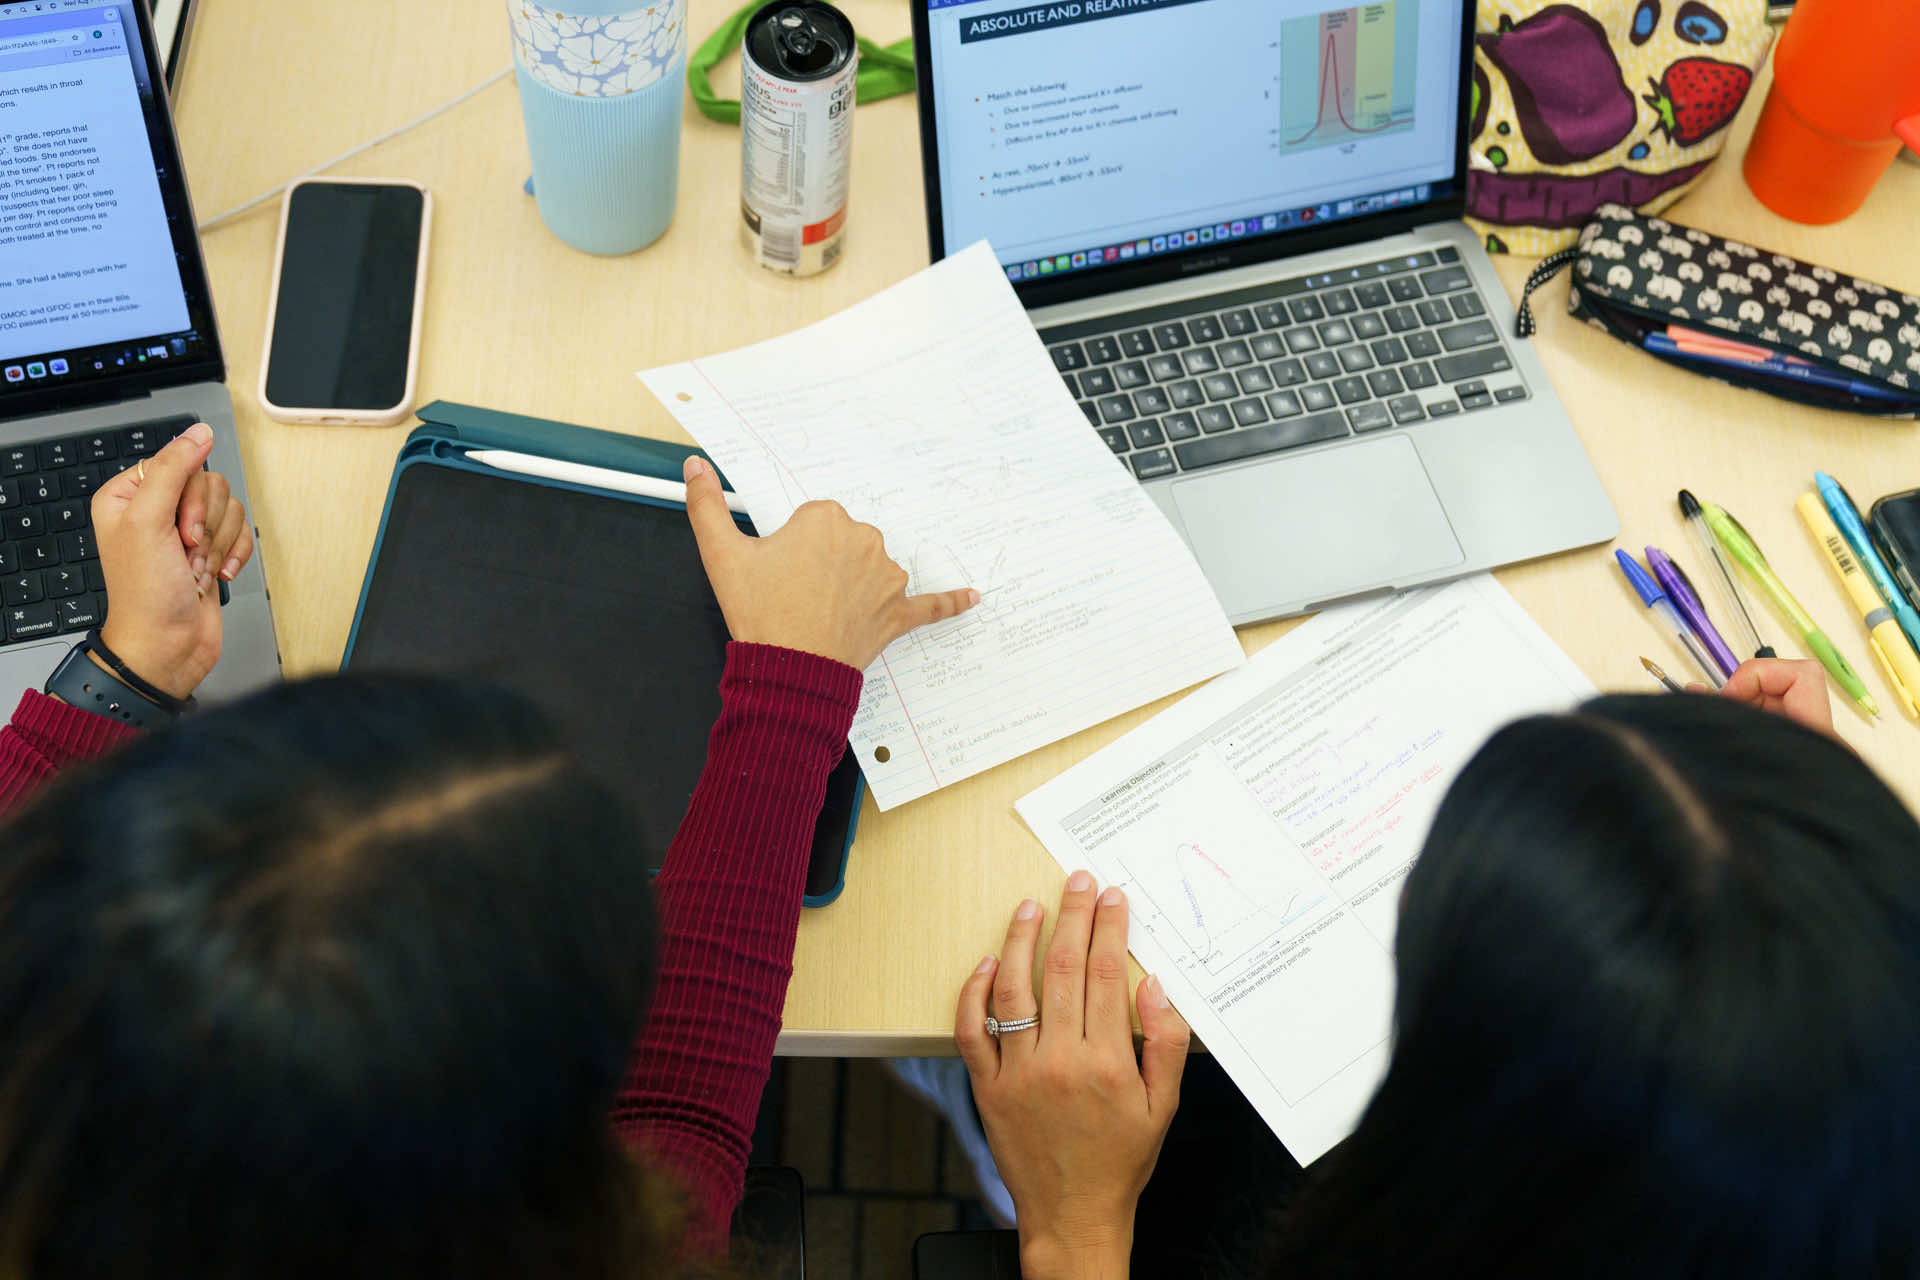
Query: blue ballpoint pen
pixel 1652 596
pixel 1661 344
pixel 1847 517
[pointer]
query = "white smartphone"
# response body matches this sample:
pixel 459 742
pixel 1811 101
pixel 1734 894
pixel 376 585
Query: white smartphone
pixel 349 280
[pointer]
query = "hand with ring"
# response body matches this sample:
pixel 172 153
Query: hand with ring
pixel 1074 1120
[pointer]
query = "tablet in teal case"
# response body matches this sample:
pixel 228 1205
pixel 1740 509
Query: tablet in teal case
pixel 552 588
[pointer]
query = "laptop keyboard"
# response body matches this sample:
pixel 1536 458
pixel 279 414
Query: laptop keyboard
pixel 1319 357
pixel 50 579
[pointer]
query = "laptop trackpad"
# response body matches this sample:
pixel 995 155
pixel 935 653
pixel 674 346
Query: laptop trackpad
pixel 1296 531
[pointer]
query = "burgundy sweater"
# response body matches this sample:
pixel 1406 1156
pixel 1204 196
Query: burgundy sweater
pixel 729 896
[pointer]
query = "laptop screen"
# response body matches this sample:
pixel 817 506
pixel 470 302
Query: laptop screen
pixel 1085 134
pixel 102 278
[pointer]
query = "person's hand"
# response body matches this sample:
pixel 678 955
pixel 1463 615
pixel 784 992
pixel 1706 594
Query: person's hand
pixel 163 537
pixel 821 584
pixel 1794 688
pixel 1075 1124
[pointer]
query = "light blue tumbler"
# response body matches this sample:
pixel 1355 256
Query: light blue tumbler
pixel 600 90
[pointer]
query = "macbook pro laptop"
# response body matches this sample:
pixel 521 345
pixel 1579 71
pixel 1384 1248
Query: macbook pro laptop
pixel 1235 224
pixel 107 338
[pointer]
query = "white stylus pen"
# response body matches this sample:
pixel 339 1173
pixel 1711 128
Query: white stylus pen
pixel 528 464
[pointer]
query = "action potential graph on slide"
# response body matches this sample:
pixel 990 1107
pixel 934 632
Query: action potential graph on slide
pixel 1347 74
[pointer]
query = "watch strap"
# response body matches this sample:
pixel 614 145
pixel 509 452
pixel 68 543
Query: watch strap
pixel 80 682
pixel 128 676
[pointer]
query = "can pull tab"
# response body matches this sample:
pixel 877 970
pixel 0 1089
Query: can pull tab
pixel 801 48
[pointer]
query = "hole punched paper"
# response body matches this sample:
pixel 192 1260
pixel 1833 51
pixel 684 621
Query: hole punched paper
pixel 932 411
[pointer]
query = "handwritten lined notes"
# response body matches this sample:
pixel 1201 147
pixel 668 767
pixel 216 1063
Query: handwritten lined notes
pixel 1262 828
pixel 933 412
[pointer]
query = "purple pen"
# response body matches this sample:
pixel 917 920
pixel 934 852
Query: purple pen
pixel 1673 579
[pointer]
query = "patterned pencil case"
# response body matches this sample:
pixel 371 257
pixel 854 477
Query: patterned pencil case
pixel 1746 316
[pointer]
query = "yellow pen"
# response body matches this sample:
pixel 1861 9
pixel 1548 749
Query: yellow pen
pixel 1889 644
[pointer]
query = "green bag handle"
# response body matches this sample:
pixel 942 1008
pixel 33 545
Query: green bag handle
pixel 883 71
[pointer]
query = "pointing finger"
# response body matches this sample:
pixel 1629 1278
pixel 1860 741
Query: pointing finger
pixel 713 526
pixel 935 606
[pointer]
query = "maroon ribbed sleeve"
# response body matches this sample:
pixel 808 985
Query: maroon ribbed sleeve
pixel 46 735
pixel 729 895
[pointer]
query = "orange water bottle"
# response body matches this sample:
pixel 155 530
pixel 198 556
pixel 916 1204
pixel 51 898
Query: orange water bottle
pixel 1846 94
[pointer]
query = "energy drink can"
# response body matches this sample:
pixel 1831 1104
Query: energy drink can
pixel 797 68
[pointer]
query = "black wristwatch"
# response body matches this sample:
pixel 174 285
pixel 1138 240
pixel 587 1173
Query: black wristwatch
pixel 115 692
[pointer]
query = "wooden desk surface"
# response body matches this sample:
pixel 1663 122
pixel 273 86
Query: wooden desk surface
pixel 517 321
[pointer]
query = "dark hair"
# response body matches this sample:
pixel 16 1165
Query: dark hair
pixel 1658 1015
pixel 336 981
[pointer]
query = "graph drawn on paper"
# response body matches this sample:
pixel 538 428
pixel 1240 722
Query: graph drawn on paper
pixel 1348 74
pixel 1223 902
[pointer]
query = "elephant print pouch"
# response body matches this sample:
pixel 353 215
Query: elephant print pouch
pixel 1763 320
pixel 1600 102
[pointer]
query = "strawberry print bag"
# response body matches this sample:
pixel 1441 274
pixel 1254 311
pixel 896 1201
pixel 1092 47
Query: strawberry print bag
pixel 1576 105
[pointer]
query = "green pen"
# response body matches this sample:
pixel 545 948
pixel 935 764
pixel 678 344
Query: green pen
pixel 1741 546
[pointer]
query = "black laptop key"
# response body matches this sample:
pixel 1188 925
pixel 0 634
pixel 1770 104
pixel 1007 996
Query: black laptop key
pixel 1186 395
pixel 1385 382
pixel 1137 342
pixel 39 553
pixel 1072 385
pixel 9 557
pixel 1152 400
pixel 64 580
pixel 1418 375
pixel 1152 463
pixel 81 481
pixel 1215 418
pixel 1404 289
pixel 1271 315
pixel 1371 294
pixel 1474 333
pixel 1095 383
pixel 1467 305
pixel 1323 364
pixel 1170 335
pixel 97 580
pixel 1066 358
pixel 1102 350
pixel 1351 390
pixel 1145 434
pixel 1406 409
pixel 1266 346
pixel 24 587
pixel 17 462
pixel 1199 360
pixel 1254 441
pixel 1442 409
pixel 60 516
pixel 1445 280
pixel 1283 404
pixel 1116 438
pixel 1338 302
pixel 23 522
pixel 1205 329
pixel 1446 254
pixel 1130 375
pixel 1478 400
pixel 1233 354
pixel 1220 386
pixel 147 438
pixel 43 487
pixel 1389 351
pixel 1370 417
pixel 1287 373
pixel 1368 325
pixel 1180 426
pixel 1302 339
pixel 1254 381
pixel 1237 323
pixel 1507 394
pixel 73 547
pixel 1472 364
pixel 1401 319
pixel 1434 312
pixel 1335 332
pixel 1305 309
pixel 24 622
pixel 1093 414
pixel 1116 409
pixel 1166 368
pixel 59 453
pixel 1249 413
pixel 97 447
pixel 1422 344
pixel 82 612
pixel 1355 359
pixel 9 494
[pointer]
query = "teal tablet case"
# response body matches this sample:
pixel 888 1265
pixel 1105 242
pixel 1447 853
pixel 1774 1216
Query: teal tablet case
pixel 448 431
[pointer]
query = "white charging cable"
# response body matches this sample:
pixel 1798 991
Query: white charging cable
pixel 239 209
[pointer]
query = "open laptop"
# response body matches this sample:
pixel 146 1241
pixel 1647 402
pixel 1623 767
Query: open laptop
pixel 107 338
pixel 1235 225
